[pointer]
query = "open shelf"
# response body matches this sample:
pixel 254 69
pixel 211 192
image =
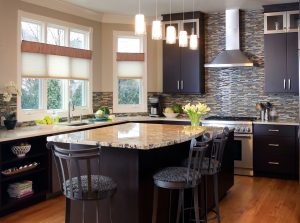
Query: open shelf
pixel 23 174
pixel 28 156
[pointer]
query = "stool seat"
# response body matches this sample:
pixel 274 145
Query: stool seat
pixel 101 187
pixel 176 176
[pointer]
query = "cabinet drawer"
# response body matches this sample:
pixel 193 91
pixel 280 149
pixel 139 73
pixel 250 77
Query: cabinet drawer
pixel 271 144
pixel 275 130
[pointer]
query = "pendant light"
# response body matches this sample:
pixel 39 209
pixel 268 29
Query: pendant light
pixel 193 37
pixel 171 31
pixel 140 27
pixel 183 38
pixel 156 26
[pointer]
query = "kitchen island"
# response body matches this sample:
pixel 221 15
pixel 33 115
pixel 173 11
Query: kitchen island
pixel 131 154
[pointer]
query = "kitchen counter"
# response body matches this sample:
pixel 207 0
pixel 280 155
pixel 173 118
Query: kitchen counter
pixel 278 122
pixel 133 135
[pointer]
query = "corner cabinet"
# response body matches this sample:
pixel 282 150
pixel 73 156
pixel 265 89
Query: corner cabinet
pixel 281 52
pixel 275 151
pixel 183 69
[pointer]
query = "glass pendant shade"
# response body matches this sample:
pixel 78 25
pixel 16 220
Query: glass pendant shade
pixel 140 27
pixel 183 39
pixel 156 30
pixel 193 42
pixel 171 35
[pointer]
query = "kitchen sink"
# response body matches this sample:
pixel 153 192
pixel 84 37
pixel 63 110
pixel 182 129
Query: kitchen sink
pixel 78 124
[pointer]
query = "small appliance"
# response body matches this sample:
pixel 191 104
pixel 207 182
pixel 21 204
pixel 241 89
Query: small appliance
pixel 155 108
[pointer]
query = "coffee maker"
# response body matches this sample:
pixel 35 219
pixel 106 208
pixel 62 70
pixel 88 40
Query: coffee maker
pixel 155 108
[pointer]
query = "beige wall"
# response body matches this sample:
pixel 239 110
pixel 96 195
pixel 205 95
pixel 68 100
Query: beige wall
pixel 154 69
pixel 102 45
pixel 9 31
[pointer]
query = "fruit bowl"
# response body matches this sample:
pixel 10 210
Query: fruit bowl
pixel 21 150
pixel 171 115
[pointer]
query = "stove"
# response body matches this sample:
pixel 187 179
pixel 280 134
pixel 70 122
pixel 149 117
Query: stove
pixel 242 145
pixel 241 124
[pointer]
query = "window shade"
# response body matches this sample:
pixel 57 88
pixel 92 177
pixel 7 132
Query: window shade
pixel 37 65
pixel 130 68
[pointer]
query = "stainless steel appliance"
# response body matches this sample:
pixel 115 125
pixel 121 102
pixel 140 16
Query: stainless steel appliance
pixel 243 140
pixel 155 108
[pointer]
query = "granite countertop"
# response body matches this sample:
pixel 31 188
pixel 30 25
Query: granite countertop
pixel 278 122
pixel 142 136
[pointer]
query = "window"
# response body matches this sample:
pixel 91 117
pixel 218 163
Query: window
pixel 130 73
pixel 49 80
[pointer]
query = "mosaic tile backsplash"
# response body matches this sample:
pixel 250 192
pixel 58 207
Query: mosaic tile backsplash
pixel 229 91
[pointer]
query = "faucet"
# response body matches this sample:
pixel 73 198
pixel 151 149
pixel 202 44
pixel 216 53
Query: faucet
pixel 69 110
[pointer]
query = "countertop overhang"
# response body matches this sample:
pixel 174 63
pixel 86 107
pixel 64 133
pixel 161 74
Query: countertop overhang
pixel 141 136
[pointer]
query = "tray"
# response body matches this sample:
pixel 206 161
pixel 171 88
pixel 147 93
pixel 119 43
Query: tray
pixel 21 169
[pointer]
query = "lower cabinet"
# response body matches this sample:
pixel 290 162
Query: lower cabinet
pixel 275 151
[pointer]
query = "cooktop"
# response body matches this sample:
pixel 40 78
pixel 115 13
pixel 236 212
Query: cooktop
pixel 231 118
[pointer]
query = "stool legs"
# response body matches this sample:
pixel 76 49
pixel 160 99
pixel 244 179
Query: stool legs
pixel 68 211
pixel 216 196
pixel 154 211
pixel 196 204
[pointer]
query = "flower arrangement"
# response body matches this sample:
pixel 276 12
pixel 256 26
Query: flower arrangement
pixel 9 90
pixel 195 112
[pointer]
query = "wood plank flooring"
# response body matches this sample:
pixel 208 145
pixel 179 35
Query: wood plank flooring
pixel 251 200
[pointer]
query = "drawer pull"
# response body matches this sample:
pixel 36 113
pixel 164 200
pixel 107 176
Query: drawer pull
pixel 273 163
pixel 273 130
pixel 274 145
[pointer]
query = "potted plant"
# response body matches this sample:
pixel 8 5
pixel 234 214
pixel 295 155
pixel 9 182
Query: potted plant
pixel 195 112
pixel 10 116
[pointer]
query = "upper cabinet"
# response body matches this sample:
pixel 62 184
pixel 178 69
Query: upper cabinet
pixel 183 68
pixel 281 22
pixel 281 49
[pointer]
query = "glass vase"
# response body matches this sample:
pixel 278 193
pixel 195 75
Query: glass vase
pixel 195 119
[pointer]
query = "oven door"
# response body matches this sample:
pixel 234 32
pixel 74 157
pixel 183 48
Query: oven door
pixel 243 154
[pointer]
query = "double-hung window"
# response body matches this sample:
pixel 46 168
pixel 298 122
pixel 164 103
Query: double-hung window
pixel 129 73
pixel 55 68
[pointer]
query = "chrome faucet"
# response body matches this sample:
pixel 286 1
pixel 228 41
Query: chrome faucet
pixel 70 107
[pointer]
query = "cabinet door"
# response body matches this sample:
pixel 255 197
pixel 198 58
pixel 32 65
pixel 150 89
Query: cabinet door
pixel 275 22
pixel 292 21
pixel 190 71
pixel 275 63
pixel 292 63
pixel 171 68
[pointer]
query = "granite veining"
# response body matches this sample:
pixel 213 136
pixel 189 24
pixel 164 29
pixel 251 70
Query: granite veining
pixel 133 135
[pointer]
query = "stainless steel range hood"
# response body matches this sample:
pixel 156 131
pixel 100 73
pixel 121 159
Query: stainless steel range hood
pixel 232 56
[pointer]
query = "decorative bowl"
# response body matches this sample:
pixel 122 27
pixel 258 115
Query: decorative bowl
pixel 20 150
pixel 171 115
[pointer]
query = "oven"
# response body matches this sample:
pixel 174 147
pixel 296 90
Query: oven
pixel 242 145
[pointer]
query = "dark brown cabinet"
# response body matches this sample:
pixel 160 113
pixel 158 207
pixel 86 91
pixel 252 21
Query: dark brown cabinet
pixel 275 151
pixel 183 70
pixel 281 52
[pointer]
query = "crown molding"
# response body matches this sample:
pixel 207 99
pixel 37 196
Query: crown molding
pixel 68 8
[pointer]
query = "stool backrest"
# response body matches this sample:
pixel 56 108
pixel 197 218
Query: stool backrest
pixel 214 156
pixel 196 155
pixel 76 164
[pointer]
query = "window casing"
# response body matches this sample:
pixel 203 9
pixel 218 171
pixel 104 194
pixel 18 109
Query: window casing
pixel 51 95
pixel 129 77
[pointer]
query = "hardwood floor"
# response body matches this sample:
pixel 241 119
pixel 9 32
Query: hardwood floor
pixel 251 200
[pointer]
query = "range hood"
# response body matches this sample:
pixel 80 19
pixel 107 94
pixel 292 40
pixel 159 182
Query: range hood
pixel 232 56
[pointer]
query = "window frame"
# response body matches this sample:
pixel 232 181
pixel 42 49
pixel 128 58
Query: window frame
pixel 143 106
pixel 33 114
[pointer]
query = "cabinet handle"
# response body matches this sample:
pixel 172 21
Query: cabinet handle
pixel 273 130
pixel 177 85
pixel 284 83
pixel 289 84
pixel 181 84
pixel 273 163
pixel 273 145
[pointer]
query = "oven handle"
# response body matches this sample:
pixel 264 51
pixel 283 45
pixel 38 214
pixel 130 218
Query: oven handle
pixel 243 135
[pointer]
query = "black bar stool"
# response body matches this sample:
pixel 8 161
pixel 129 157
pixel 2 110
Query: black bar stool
pixel 79 175
pixel 181 178
pixel 212 163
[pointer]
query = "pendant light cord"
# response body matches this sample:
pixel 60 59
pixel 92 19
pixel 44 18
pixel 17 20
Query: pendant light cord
pixel 139 6
pixel 171 11
pixel 183 10
pixel 194 16
pixel 156 9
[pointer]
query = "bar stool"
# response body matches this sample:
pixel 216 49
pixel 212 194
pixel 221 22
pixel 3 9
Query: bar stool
pixel 79 175
pixel 211 165
pixel 181 178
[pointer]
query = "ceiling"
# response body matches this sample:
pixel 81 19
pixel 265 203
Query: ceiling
pixel 130 7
